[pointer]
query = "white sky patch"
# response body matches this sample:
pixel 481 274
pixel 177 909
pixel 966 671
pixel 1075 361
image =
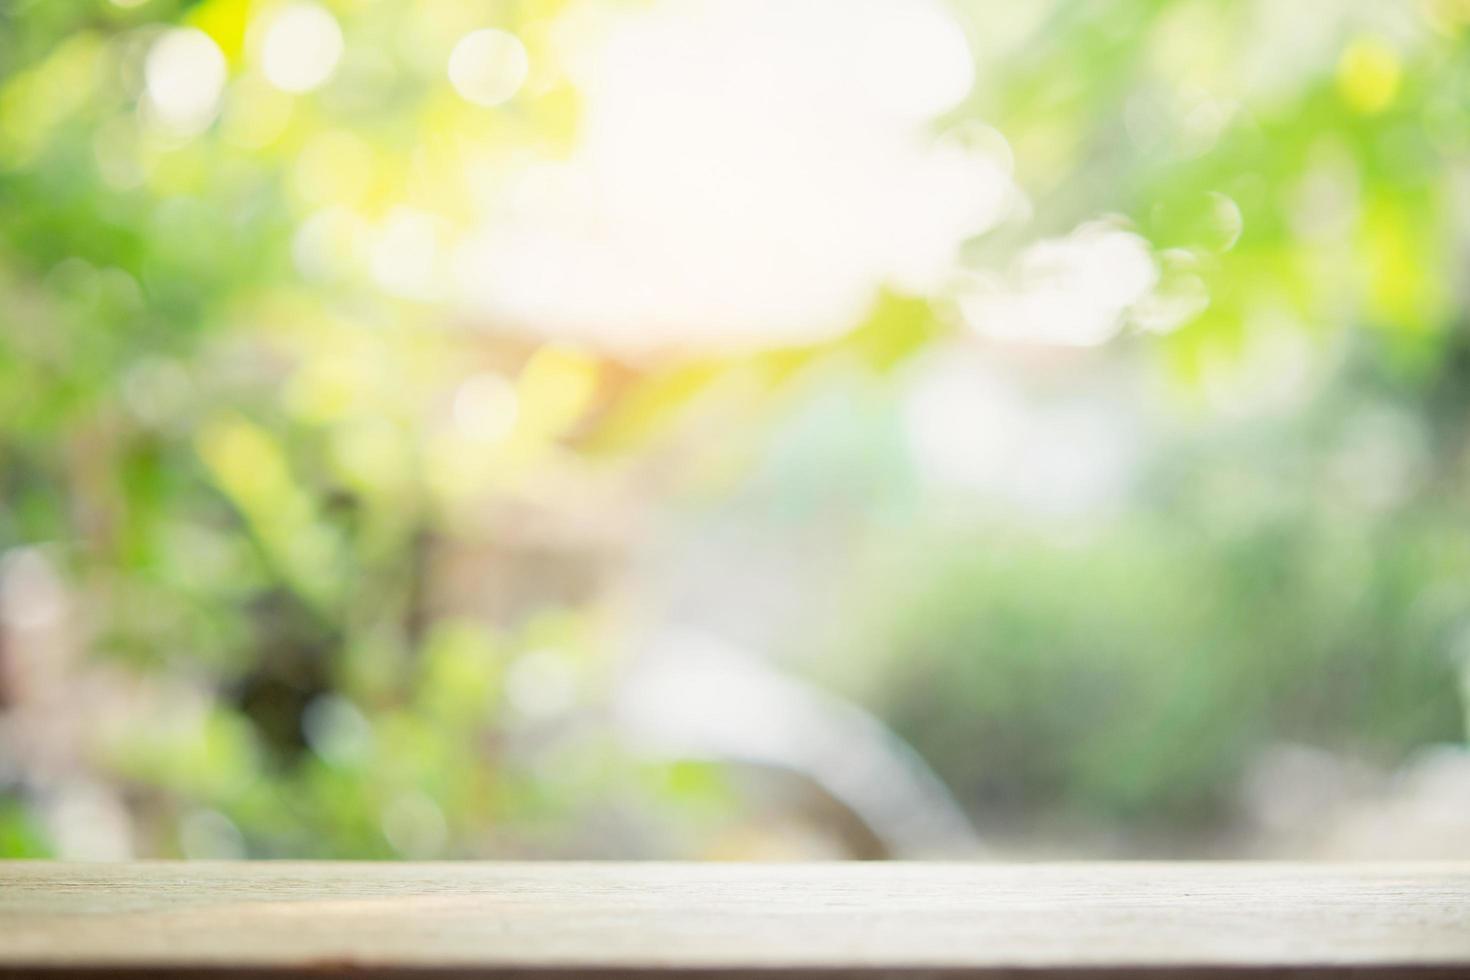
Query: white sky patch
pixel 185 75
pixel 488 66
pixel 749 173
pixel 1073 291
pixel 301 48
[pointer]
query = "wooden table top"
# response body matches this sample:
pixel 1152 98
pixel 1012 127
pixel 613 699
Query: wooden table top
pixel 547 920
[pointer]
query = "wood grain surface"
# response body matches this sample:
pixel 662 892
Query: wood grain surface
pixel 547 920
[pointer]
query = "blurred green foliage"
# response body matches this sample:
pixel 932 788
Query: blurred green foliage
pixel 299 597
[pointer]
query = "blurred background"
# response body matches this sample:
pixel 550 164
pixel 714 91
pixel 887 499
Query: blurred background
pixel 734 429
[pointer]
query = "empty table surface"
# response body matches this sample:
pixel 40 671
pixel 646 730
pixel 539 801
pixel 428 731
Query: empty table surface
pixel 544 920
